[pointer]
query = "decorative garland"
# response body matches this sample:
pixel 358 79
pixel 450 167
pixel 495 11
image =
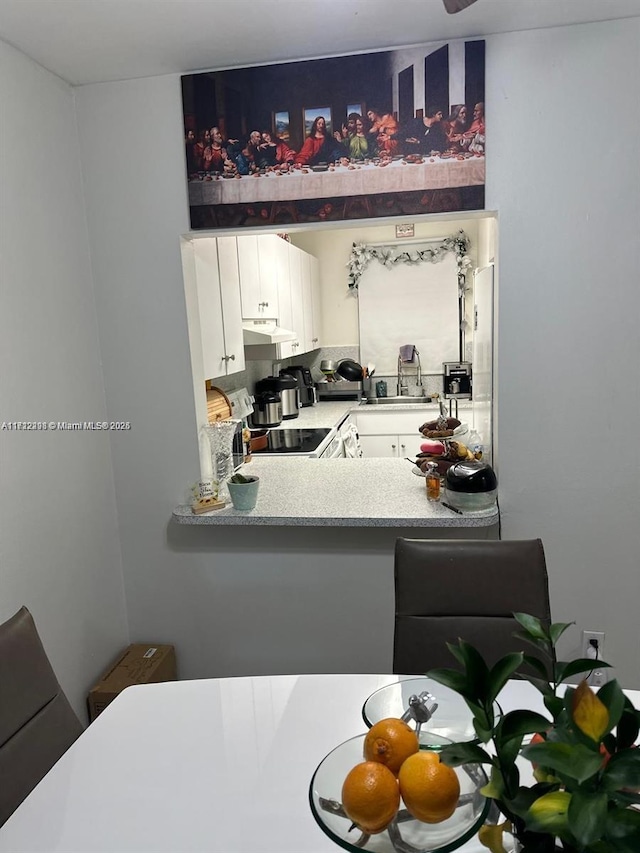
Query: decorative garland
pixel 361 254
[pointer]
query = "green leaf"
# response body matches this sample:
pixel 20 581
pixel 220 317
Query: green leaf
pixel 557 630
pixel 566 669
pixel 454 680
pixel 476 669
pixel 549 813
pixel 629 726
pixel 501 672
pixel 622 770
pixel 456 652
pixel 464 753
pixel 538 665
pixel 624 798
pixel 554 705
pixel 575 761
pixel 518 723
pixel 587 816
pixel 623 829
pixel 611 695
pixel 532 625
pixel 484 732
pixel 494 789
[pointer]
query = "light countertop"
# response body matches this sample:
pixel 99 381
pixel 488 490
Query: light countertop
pixel 331 412
pixel 299 491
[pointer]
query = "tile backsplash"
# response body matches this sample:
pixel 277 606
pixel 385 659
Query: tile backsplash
pixel 256 370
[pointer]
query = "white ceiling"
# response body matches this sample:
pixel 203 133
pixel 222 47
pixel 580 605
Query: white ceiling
pixel 89 41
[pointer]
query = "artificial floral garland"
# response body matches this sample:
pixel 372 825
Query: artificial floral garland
pixel 361 254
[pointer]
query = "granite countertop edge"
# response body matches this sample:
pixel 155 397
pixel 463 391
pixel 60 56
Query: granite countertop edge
pixel 235 518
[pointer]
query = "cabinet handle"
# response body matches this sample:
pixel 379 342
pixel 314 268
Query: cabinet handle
pixel 314 340
pixel 402 446
pixel 228 358
pixel 393 447
pixel 233 358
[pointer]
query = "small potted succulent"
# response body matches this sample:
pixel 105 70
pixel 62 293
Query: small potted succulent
pixel 243 490
pixel 587 769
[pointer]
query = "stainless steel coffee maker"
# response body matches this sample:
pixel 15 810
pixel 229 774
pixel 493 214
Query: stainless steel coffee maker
pixel 287 389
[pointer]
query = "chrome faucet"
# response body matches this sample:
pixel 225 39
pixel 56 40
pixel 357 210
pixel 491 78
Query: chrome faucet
pixel 401 386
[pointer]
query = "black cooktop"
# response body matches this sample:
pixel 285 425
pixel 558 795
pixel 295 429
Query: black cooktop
pixel 294 440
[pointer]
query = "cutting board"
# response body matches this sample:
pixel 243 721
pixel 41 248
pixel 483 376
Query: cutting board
pixel 218 405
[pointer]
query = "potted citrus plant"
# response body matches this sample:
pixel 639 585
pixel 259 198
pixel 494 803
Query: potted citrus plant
pixel 585 765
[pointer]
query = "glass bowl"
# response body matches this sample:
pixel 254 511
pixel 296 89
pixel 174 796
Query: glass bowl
pixel 452 718
pixel 405 834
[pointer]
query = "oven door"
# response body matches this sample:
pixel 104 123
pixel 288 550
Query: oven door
pixel 335 448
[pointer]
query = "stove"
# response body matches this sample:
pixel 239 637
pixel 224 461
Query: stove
pixel 298 442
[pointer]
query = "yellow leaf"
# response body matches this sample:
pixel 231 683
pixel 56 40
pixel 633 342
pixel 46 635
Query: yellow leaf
pixel 589 713
pixel 490 836
pixel 549 812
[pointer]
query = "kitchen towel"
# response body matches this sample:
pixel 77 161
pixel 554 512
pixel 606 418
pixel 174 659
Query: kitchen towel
pixel 407 353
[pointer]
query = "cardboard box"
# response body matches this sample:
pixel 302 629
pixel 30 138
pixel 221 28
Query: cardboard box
pixel 141 663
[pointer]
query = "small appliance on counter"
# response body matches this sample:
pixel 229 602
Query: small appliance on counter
pixel 267 410
pixel 302 375
pixel 471 486
pixel 457 380
pixel 340 389
pixel 287 388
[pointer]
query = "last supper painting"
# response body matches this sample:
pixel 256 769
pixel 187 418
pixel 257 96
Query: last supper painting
pixel 390 133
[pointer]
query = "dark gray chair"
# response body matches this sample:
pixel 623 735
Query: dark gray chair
pixel 37 723
pixel 447 589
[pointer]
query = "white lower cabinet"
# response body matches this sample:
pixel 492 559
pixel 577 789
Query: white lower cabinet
pixel 392 433
pixel 391 445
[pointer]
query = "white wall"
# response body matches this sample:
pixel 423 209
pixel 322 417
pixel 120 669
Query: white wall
pixel 59 547
pixel 562 173
pixel 333 248
pixel 563 129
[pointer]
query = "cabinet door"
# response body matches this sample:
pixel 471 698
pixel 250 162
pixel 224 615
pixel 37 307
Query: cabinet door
pixel 267 248
pixel 409 444
pixel 316 303
pixel 207 281
pixel 249 267
pixel 285 317
pixel 307 301
pixel 231 304
pixel 297 305
pixel 379 445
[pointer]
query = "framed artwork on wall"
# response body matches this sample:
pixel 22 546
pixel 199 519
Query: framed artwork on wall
pixel 281 125
pixel 325 139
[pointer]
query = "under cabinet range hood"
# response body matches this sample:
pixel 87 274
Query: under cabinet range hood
pixel 265 332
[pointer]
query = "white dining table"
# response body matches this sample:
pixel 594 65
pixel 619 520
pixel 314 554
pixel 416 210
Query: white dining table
pixel 214 766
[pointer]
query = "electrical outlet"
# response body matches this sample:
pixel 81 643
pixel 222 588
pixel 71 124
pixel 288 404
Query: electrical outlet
pixel 592 640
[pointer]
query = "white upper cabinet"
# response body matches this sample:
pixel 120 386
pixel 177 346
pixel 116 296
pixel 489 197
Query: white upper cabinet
pixel 310 276
pixel 258 276
pixel 213 308
pixel 286 287
pixel 231 304
pixel 316 304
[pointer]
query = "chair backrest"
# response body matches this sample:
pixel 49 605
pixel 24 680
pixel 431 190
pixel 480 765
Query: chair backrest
pixel 37 723
pixel 447 589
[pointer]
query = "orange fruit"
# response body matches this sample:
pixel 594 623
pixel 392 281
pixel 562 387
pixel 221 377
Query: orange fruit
pixel 430 789
pixel 370 796
pixel 390 742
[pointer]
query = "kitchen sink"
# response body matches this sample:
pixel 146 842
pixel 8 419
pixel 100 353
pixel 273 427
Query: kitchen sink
pixel 388 401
